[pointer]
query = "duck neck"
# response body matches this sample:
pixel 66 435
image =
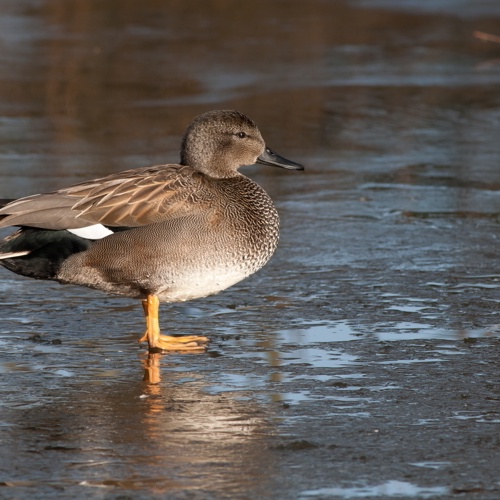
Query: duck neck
pixel 210 164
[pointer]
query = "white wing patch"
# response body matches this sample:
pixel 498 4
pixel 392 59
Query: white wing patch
pixel 95 232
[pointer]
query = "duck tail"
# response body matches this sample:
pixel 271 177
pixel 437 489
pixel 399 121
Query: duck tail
pixel 39 253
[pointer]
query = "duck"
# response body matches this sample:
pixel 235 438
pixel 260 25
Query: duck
pixel 167 233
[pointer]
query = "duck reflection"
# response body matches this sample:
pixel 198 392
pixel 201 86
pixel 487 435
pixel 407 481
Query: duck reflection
pixel 164 435
pixel 213 442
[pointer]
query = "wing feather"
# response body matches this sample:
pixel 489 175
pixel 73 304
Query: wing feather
pixel 131 198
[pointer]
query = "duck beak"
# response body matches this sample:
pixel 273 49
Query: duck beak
pixel 269 157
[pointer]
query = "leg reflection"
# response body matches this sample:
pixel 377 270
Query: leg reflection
pixel 152 372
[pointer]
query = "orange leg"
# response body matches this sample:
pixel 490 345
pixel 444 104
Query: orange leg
pixel 156 340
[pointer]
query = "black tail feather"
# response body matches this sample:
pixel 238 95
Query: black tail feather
pixel 47 251
pixel 4 202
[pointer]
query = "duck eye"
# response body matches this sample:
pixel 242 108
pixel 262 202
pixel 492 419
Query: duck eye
pixel 241 135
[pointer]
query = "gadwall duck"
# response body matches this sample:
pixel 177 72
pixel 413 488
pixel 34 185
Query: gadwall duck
pixel 165 233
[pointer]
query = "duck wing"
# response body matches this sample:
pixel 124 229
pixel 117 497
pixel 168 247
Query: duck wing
pixel 127 199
